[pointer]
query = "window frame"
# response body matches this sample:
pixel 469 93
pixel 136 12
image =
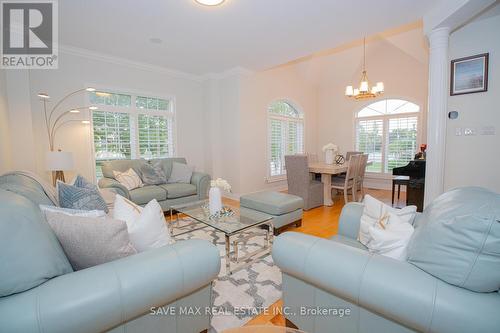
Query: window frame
pixel 133 112
pixel 385 127
pixel 269 117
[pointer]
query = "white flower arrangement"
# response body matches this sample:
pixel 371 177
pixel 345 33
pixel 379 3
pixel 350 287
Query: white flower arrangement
pixel 221 183
pixel 330 146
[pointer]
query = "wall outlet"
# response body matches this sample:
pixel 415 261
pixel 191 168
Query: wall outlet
pixel 487 130
pixel 458 131
pixel 468 131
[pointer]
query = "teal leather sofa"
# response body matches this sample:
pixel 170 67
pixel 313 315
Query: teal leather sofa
pixel 40 292
pixel 336 286
pixel 166 194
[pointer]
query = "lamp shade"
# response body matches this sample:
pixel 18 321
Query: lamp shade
pixel 58 161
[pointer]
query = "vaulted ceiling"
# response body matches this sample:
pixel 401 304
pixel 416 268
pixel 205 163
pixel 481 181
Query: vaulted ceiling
pixel 254 34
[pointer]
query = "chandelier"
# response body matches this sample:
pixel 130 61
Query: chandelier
pixel 364 91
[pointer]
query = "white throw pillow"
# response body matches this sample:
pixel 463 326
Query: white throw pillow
pixel 375 210
pixel 146 226
pixel 181 173
pixel 390 237
pixel 72 212
pixel 129 179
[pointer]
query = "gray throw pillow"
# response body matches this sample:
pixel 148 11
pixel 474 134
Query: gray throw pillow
pixel 458 239
pixel 181 173
pixel 152 174
pixel 86 197
pixel 89 241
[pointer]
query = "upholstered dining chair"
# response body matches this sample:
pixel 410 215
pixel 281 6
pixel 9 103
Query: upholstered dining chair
pixel 300 182
pixel 360 179
pixel 349 181
pixel 350 153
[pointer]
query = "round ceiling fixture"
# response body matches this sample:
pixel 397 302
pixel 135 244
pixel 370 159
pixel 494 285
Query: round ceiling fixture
pixel 210 2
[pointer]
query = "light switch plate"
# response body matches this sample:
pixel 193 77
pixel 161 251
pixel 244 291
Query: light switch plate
pixel 468 131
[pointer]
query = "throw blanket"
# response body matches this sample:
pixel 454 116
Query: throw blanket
pixel 49 190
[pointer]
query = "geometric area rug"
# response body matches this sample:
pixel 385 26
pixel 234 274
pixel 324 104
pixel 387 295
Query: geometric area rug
pixel 239 297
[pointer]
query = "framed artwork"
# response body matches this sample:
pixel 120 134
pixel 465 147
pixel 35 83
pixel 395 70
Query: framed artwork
pixel 469 75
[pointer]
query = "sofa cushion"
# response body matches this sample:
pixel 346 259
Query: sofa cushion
pixel 153 174
pixel 458 239
pixel 166 163
pixel 30 254
pixel 145 194
pixel 274 203
pixel 121 166
pixel 179 190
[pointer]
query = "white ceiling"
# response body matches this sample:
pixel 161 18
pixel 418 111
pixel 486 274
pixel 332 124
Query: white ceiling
pixel 254 34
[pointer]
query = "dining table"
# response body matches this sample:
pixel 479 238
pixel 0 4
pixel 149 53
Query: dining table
pixel 326 171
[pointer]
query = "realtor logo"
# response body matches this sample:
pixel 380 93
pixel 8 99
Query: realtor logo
pixel 29 34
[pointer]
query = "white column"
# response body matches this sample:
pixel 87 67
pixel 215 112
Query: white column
pixel 436 118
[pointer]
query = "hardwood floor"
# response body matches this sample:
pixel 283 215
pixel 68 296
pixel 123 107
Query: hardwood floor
pixel 320 222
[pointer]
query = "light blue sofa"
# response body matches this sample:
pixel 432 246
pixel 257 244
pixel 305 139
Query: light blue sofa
pixel 115 297
pixel 166 194
pixel 382 294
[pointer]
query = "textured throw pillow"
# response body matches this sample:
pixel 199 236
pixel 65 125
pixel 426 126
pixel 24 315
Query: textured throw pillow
pixel 146 226
pixel 88 241
pixel 129 179
pixel 80 181
pixel 375 210
pixel 82 198
pixel 153 174
pixel 458 239
pixel 390 237
pixel 73 212
pixel 181 173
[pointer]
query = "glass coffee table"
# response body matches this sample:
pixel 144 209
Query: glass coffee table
pixel 242 220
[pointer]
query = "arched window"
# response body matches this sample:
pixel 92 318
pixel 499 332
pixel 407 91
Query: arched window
pixel 286 135
pixel 387 130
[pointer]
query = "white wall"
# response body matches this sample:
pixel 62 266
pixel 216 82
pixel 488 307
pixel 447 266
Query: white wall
pixel 475 160
pixel 76 72
pixel 5 152
pixel 258 91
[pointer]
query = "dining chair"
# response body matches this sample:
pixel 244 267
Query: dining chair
pixel 300 182
pixel 350 153
pixel 361 170
pixel 348 182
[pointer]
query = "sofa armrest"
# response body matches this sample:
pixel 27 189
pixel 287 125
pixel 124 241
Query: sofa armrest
pixel 350 219
pixel 115 185
pixel 382 285
pixel 202 182
pixel 99 298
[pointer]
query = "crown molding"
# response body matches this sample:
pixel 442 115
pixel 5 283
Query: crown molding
pixel 129 63
pixel 238 70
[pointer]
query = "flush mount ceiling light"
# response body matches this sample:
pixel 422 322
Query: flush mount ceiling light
pixel 210 2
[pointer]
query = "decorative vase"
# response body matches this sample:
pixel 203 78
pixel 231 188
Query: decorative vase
pixel 214 200
pixel 329 156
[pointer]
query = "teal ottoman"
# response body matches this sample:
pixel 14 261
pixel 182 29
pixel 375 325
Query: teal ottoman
pixel 286 209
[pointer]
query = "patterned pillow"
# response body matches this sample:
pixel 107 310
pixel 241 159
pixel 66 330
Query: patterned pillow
pixel 79 181
pixel 129 179
pixel 90 241
pixel 153 174
pixel 81 198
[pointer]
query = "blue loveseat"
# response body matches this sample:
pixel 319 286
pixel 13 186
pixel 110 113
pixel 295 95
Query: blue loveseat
pixel 166 194
pixel 40 292
pixel 336 286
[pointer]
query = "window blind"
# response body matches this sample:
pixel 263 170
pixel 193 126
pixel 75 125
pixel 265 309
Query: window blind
pixel 155 136
pixel 402 141
pixel 369 137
